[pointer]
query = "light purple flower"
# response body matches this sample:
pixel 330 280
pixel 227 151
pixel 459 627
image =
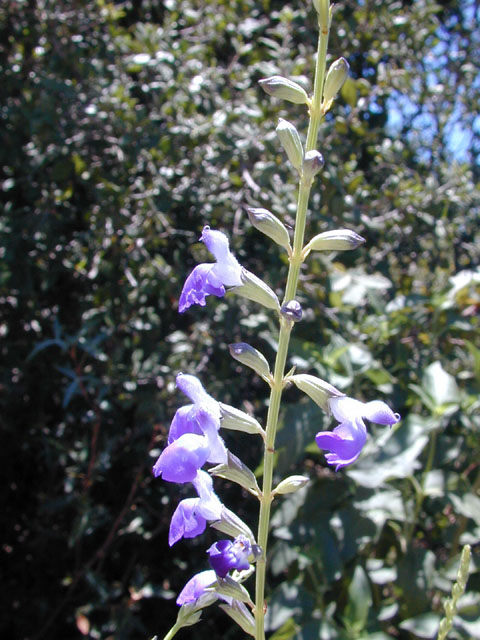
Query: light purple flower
pixel 226 555
pixel 191 515
pixel 186 521
pixel 193 438
pixel 202 418
pixel 182 459
pixel 346 441
pixel 211 279
pixel 196 587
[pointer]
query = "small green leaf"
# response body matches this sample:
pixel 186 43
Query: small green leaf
pixel 359 601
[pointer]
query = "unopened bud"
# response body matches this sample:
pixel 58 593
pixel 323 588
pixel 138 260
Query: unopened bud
pixel 292 310
pixel 449 609
pixel 236 471
pixel 313 162
pixel 336 76
pixel 285 89
pixel 337 240
pixel 270 225
pixel 318 390
pixel 291 142
pixel 251 357
pixel 237 420
pixel 257 552
pixel 255 289
pixel 457 591
pixel 291 484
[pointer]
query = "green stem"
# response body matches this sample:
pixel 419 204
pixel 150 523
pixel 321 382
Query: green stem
pixel 283 342
pixel 420 487
pixel 173 631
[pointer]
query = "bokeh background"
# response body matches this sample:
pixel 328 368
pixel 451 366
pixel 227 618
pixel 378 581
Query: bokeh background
pixel 127 126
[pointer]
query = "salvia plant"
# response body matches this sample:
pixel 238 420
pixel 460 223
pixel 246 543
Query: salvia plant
pixel 194 439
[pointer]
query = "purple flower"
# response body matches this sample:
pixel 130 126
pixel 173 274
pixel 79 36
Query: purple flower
pixel 226 555
pixel 196 587
pixel 201 418
pixel 193 438
pixel 186 521
pixel 346 441
pixel 182 459
pixel 191 515
pixel 211 279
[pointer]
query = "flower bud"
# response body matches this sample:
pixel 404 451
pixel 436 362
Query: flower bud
pixel 241 615
pixel 336 76
pixel 230 524
pixel 284 89
pixel 236 420
pixel 291 143
pixel 449 609
pixel 270 225
pixel 251 357
pixel 236 471
pixel 255 289
pixel 323 11
pixel 313 162
pixel 291 484
pixel 457 591
pixel 318 390
pixel 292 310
pixel 337 240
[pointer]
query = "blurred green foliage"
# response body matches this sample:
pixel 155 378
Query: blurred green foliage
pixel 126 127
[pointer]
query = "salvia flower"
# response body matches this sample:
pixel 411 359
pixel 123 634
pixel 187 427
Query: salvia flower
pixel 182 459
pixel 193 438
pixel 346 441
pixel 211 279
pixel 225 555
pixel 196 587
pixel 191 515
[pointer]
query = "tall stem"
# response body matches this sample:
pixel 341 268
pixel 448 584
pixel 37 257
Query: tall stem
pixel 284 339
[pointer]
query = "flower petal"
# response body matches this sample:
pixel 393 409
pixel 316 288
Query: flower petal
pixel 182 459
pixel 200 284
pixel 345 409
pixel 196 586
pixel 345 443
pixel 186 522
pixel 191 387
pixel 183 422
pixel 227 269
pixel 209 427
pixel 225 555
pixel 209 505
pixel 379 412
pixel 216 242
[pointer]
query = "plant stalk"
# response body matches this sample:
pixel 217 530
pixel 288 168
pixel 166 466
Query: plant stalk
pixel 283 342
